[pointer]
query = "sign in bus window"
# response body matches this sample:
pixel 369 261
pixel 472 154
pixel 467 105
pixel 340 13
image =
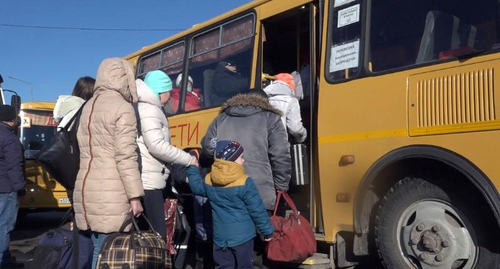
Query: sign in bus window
pixel 344 40
pixel 344 56
pixel 339 3
pixel 348 16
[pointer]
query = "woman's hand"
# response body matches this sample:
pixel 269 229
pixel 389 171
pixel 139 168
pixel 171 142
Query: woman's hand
pixel 136 206
pixel 194 161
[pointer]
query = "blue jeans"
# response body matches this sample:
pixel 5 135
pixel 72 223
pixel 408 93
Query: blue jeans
pixel 97 239
pixel 8 216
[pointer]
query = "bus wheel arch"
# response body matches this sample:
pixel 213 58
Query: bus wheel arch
pixel 407 161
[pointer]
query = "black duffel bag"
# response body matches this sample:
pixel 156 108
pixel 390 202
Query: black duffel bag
pixel 61 159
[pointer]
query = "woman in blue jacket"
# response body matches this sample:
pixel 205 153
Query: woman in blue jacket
pixel 236 206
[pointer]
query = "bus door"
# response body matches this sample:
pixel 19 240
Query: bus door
pixel 288 40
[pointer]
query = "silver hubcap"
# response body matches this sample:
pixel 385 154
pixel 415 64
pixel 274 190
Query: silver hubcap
pixel 434 235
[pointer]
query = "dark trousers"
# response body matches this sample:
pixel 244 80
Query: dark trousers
pixel 234 257
pixel 153 209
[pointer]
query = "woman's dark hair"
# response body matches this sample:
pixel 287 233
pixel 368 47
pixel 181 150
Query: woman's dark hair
pixel 84 88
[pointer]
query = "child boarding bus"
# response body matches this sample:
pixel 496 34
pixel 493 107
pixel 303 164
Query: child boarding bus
pixel 36 130
pixel 400 102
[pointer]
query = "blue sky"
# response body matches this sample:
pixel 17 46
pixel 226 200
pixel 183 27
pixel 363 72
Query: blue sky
pixel 52 60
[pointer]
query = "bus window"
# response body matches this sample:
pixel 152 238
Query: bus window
pixel 405 33
pixel 220 62
pixel 170 61
pixel 149 63
pixel 344 40
pixel 37 130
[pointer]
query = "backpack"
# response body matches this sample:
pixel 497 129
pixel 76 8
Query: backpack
pixel 56 249
pixel 61 159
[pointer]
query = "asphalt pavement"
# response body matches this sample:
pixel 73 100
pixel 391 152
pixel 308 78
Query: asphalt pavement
pixel 28 231
pixel 30 228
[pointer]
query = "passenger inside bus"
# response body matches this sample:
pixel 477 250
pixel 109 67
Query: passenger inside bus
pixel 227 82
pixel 282 97
pixel 194 97
pixel 286 48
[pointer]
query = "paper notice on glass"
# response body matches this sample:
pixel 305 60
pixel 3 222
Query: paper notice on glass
pixel 348 16
pixel 344 56
pixel 339 3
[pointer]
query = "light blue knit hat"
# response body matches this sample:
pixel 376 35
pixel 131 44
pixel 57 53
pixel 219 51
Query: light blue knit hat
pixel 158 82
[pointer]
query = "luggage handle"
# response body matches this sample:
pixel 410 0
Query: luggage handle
pixel 135 226
pixel 288 200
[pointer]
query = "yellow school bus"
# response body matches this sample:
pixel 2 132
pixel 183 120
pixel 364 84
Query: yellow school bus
pixel 36 130
pixel 399 99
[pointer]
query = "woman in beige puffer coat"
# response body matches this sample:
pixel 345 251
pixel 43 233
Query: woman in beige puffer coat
pixel 108 185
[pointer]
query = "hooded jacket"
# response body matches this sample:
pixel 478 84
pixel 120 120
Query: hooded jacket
pixel 156 152
pixel 109 172
pixel 226 84
pixel 255 124
pixel 66 107
pixel 12 177
pixel 281 97
pixel 236 204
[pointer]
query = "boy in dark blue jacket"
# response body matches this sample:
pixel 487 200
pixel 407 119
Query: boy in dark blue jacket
pixel 236 206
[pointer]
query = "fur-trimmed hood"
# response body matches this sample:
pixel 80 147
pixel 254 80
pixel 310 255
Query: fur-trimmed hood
pixel 246 104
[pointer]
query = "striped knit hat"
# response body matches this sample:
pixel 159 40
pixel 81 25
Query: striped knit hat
pixel 228 150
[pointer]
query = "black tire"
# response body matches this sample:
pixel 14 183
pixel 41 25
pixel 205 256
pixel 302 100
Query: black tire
pixel 402 243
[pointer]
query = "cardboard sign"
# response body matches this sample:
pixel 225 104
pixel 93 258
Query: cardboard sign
pixel 339 3
pixel 348 16
pixel 344 56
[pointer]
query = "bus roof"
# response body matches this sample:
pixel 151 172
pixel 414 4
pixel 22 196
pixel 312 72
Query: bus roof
pixel 198 26
pixel 49 106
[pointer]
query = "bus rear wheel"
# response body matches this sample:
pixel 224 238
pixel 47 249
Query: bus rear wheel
pixel 421 225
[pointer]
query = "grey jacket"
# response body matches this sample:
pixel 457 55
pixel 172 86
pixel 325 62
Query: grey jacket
pixel 256 125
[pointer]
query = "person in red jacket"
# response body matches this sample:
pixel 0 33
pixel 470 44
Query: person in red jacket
pixel 194 98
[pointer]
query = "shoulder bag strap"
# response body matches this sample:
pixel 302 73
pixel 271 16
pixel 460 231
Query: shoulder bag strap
pixel 76 243
pixel 75 118
pixel 290 203
pixel 278 197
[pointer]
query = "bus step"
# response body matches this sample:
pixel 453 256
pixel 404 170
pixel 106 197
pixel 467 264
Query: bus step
pixel 317 261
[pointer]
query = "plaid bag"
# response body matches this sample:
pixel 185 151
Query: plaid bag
pixel 137 249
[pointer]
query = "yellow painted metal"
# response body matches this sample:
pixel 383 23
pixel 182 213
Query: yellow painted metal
pixel 458 99
pixel 42 190
pixel 370 117
pixel 45 106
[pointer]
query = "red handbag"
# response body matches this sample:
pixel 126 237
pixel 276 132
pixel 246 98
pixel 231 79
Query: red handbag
pixel 293 238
